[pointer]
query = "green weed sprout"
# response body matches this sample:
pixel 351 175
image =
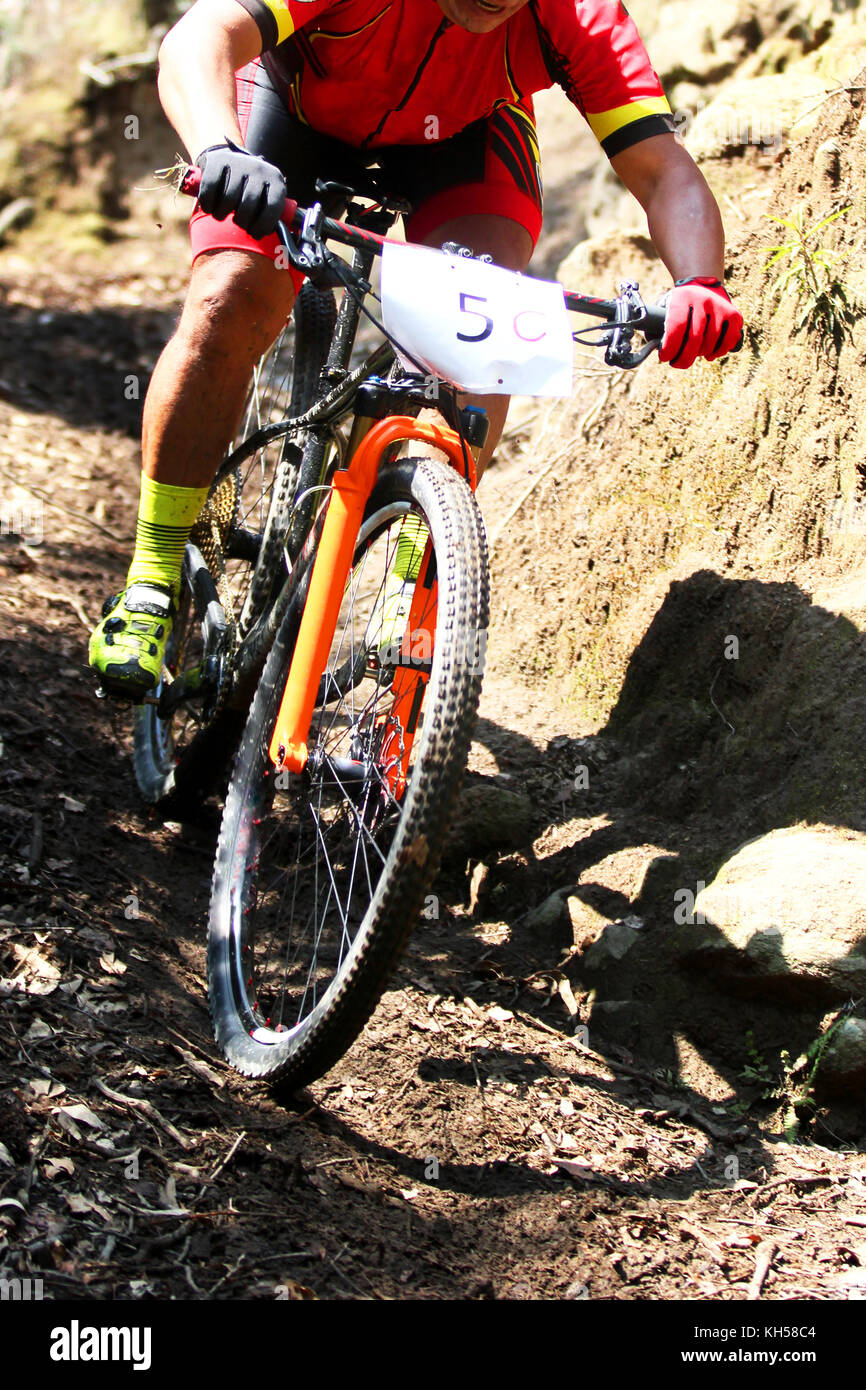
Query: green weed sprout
pixel 828 306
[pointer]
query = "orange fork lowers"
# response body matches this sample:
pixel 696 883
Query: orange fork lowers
pixel 331 567
pixel 409 683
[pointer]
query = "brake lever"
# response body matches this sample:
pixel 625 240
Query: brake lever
pixel 308 254
pixel 631 312
pixel 642 354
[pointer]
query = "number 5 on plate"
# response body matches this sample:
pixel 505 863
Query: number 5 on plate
pixel 481 327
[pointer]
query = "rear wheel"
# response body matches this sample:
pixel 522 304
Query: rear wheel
pixel 319 877
pixel 238 536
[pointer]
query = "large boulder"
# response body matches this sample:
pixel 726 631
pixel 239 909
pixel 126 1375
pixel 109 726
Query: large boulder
pixel 764 109
pixel 759 112
pixel 600 262
pixel 785 917
pixel 701 43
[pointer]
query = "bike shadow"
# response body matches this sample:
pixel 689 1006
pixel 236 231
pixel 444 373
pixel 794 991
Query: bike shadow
pixel 474 1083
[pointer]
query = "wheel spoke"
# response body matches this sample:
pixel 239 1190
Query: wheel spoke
pixel 319 876
pixel 339 830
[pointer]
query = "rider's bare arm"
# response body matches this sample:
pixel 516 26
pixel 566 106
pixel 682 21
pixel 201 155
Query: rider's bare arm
pixel 682 214
pixel 686 227
pixel 197 64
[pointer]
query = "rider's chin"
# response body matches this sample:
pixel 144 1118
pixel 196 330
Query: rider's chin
pixel 476 16
pixel 487 15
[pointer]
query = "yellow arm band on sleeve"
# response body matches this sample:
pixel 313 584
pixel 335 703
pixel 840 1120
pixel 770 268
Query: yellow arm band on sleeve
pixel 605 123
pixel 280 11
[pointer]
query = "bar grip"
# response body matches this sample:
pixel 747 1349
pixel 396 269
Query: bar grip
pixel 192 179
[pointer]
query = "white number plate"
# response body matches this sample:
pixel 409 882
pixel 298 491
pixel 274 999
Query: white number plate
pixel 483 328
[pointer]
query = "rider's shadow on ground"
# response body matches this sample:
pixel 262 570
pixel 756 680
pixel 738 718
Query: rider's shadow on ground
pixel 91 367
pixel 741 712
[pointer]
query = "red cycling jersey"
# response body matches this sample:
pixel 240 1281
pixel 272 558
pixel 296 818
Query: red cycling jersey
pixel 398 72
pixel 446 114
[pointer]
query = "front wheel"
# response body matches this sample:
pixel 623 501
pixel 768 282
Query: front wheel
pixel 319 878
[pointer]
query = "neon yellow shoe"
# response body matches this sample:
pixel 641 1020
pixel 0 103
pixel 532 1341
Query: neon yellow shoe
pixel 387 622
pixel 127 647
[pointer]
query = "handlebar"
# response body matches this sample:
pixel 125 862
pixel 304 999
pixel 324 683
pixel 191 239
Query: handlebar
pixel 625 315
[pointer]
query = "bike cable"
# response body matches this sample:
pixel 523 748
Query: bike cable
pixel 359 288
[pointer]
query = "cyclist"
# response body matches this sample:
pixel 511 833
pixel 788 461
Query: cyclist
pixel 268 95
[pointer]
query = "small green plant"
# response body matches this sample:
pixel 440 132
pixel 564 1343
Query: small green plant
pixel 828 306
pixel 794 1085
pixel 669 1079
pixel 795 1093
pixel 797 1087
pixel 756 1069
pixel 795 1090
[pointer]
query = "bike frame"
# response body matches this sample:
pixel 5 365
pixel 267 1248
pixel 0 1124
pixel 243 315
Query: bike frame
pixel 352 486
pixel 351 490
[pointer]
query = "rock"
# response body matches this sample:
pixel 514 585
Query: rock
pixel 551 913
pixel 658 879
pixel 842 1066
pixel 547 929
pixel 786 916
pixel 586 923
pixel 600 262
pixel 616 939
pixel 754 111
pixel 838 61
pixel 488 817
pixel 702 43
pixel 780 89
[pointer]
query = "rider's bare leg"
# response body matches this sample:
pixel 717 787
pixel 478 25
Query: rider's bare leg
pixel 236 304
pixel 510 245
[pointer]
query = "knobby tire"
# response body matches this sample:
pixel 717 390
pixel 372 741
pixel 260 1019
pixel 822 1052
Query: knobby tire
pixel 274 906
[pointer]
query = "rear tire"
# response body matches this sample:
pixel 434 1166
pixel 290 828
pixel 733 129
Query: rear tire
pixel 319 878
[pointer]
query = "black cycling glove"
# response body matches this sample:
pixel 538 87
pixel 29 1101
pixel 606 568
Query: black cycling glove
pixel 233 180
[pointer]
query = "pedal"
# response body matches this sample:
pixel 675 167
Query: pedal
pixel 377 670
pixel 120 696
pixel 376 662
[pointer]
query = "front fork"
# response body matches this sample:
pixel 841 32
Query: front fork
pixel 350 493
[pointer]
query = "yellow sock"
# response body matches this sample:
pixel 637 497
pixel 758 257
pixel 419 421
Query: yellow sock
pixel 165 519
pixel 411 544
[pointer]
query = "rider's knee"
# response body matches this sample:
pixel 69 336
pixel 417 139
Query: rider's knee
pixel 236 292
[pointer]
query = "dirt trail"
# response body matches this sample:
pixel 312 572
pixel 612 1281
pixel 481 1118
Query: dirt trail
pixel 470 1145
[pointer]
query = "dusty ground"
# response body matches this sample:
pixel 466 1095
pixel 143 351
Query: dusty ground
pixel 470 1145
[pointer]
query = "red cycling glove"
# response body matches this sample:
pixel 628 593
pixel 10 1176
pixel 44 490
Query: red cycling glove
pixel 701 321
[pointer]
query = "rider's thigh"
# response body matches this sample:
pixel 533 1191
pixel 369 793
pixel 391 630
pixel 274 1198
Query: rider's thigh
pixel 507 241
pixel 237 293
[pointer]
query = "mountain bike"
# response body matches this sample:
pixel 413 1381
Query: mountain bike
pixel 352 748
